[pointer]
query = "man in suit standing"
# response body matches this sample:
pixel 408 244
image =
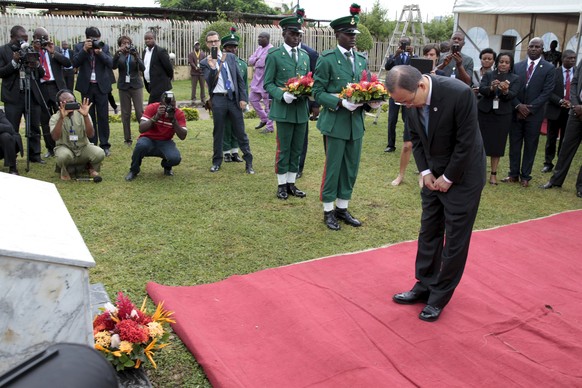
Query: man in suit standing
pixel 53 62
pixel 572 137
pixel 449 153
pixel 455 64
pixel 94 62
pixel 341 122
pixel 537 78
pixel 13 89
pixel 289 111
pixel 68 72
pixel 228 97
pixel 400 57
pixel 558 107
pixel 258 93
pixel 158 72
pixel 196 75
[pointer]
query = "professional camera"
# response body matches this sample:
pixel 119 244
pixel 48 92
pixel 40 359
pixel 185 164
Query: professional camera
pixel 455 48
pixel 403 46
pixel 28 56
pixel 168 97
pixel 18 45
pixel 44 42
pixel 97 44
pixel 132 49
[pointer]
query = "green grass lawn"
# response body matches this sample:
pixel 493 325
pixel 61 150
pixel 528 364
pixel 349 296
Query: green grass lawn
pixel 198 227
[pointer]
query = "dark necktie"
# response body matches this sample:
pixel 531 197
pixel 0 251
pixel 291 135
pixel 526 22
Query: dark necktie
pixel 423 115
pixel 348 55
pixel 567 93
pixel 529 72
pixel 403 58
pixel 294 54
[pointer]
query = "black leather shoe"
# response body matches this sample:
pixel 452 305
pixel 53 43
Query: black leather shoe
pixel 510 179
pixel 293 190
pixel 49 154
pixel 107 151
pixel 168 172
pixel 578 194
pixel 214 168
pixel 261 125
pixel 249 169
pixel 345 216
pixel 227 158
pixel 330 220
pixel 236 158
pixel 13 171
pixel 130 176
pixel 390 149
pixel 299 174
pixel 36 159
pixel 430 313
pixel 547 169
pixel 409 297
pixel 282 192
pixel 549 185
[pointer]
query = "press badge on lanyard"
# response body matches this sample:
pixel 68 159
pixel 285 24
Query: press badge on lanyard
pixel 453 75
pixel 496 102
pixel 72 135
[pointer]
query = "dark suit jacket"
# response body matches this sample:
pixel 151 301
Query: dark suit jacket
pixel 6 127
pixel 161 71
pixel 313 55
pixel 211 76
pixel 71 54
pixel 454 146
pixel 538 91
pixel 576 87
pixel 58 62
pixel 11 79
pixel 485 103
pixel 553 108
pixel 397 60
pixel 194 62
pixel 135 67
pixel 103 64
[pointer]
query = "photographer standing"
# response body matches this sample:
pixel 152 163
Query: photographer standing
pixel 160 121
pixel 13 88
pixel 129 83
pixel 53 80
pixel 456 64
pixel 94 63
pixel 71 128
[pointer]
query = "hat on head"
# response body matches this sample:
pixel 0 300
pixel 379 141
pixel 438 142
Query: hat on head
pixel 230 39
pixel 348 24
pixel 195 43
pixel 294 23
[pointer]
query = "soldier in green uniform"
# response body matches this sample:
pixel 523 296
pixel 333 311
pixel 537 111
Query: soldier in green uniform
pixel 229 142
pixel 340 121
pixel 291 113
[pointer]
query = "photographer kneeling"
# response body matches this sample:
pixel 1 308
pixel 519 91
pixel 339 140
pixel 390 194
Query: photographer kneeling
pixel 71 129
pixel 160 121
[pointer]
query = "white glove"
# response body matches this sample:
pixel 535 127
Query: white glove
pixel 288 97
pixel 375 105
pixel 350 105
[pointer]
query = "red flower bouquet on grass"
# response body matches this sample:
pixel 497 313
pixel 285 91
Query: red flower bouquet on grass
pixel 365 91
pixel 128 336
pixel 300 85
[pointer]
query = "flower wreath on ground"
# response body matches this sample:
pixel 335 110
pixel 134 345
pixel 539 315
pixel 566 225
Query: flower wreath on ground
pixel 367 90
pixel 128 336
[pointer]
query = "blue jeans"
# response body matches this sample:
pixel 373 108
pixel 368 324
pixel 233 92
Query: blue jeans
pixel 165 149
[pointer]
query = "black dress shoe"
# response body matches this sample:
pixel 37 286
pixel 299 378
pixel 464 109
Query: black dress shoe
pixel 36 159
pixel 293 190
pixel 330 220
pixel 13 170
pixel 236 158
pixel 430 313
pixel 107 151
pixel 549 185
pixel 282 192
pixel 510 179
pixel 299 174
pixel 168 172
pixel 390 149
pixel 227 158
pixel 261 125
pixel 214 168
pixel 409 297
pixel 130 176
pixel 249 169
pixel 578 194
pixel 547 169
pixel 345 216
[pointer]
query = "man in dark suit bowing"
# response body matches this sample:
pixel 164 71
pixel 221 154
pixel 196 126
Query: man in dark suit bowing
pixel 158 71
pixel 537 78
pixel 94 63
pixel 448 150
pixel 228 97
pixel 400 57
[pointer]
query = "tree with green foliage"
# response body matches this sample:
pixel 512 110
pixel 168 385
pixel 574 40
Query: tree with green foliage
pixel 364 41
pixel 222 27
pixel 377 22
pixel 248 6
pixel 439 30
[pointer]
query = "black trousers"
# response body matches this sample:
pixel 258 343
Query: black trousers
pixel 49 92
pixel 8 149
pixel 393 110
pixel 570 144
pixel 222 107
pixel 526 134
pixel 100 115
pixel 14 113
pixel 555 127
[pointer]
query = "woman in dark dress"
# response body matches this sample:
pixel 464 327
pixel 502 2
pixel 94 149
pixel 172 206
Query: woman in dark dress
pixel 498 87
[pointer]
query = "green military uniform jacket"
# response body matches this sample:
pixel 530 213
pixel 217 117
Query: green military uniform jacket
pixel 244 70
pixel 332 73
pixel 279 67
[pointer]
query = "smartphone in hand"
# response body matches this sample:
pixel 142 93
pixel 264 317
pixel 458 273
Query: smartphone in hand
pixel 214 52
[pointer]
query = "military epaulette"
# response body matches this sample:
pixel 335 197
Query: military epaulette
pixel 242 60
pixel 273 49
pixel 327 52
pixel 358 54
pixel 303 50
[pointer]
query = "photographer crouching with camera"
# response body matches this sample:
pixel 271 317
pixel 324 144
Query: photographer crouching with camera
pixel 20 71
pixel 94 63
pixel 71 127
pixel 160 121
pixel 456 64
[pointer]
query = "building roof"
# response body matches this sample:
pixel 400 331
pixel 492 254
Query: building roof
pixel 517 7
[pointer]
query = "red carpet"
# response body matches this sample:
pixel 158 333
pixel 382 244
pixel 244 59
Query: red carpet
pixel 515 319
